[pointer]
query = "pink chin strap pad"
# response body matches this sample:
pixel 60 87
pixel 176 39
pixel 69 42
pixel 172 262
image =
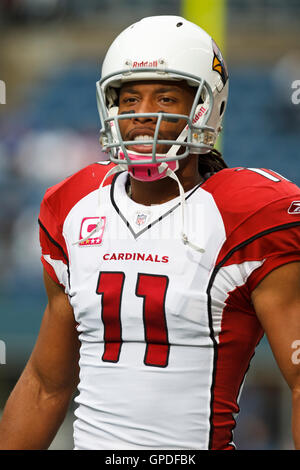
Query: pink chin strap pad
pixel 147 172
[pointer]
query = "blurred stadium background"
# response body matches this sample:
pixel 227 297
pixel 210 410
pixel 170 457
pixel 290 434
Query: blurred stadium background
pixel 50 59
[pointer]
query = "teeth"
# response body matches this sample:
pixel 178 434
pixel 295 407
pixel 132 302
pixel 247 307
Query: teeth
pixel 143 137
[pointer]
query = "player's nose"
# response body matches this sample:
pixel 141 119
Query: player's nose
pixel 146 106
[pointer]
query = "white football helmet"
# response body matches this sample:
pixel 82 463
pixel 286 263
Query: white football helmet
pixel 163 48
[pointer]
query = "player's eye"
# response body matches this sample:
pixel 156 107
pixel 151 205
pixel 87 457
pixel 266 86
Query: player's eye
pixel 129 99
pixel 167 99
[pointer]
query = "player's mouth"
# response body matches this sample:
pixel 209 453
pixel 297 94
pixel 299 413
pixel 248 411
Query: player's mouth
pixel 145 138
pixel 146 144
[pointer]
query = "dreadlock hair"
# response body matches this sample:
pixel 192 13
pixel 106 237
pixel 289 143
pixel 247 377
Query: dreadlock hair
pixel 210 163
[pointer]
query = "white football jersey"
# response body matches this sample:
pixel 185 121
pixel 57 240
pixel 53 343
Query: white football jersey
pixel 167 332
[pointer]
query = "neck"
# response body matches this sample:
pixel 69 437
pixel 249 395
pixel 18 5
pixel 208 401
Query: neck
pixel 165 189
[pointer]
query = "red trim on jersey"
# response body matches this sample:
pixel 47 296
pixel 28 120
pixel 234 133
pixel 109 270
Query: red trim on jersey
pixel 276 248
pixel 250 204
pixel 51 248
pixel 269 265
pixel 240 334
pixel 50 271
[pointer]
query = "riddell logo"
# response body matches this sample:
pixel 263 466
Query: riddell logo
pixel 145 63
pixel 200 113
pixel 294 208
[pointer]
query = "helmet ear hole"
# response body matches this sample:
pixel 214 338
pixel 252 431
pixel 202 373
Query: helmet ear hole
pixel 222 108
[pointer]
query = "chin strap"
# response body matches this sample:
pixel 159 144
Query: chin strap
pixel 184 237
pixel 162 167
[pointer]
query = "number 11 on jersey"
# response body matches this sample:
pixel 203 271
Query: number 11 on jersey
pixel 152 288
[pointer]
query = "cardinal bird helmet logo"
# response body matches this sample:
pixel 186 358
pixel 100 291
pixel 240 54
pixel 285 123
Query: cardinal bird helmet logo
pixel 218 64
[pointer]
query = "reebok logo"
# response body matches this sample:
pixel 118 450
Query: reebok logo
pixel 294 208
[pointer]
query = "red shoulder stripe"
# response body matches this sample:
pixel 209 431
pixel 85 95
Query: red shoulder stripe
pixel 63 196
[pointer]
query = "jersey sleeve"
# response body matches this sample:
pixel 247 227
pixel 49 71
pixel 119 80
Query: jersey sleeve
pixel 272 239
pixel 262 220
pixel 53 247
pixel 55 207
pixel 272 249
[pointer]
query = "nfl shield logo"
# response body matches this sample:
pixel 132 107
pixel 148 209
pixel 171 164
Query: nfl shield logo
pixel 141 219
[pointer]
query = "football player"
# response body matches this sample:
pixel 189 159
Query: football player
pixel 163 267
